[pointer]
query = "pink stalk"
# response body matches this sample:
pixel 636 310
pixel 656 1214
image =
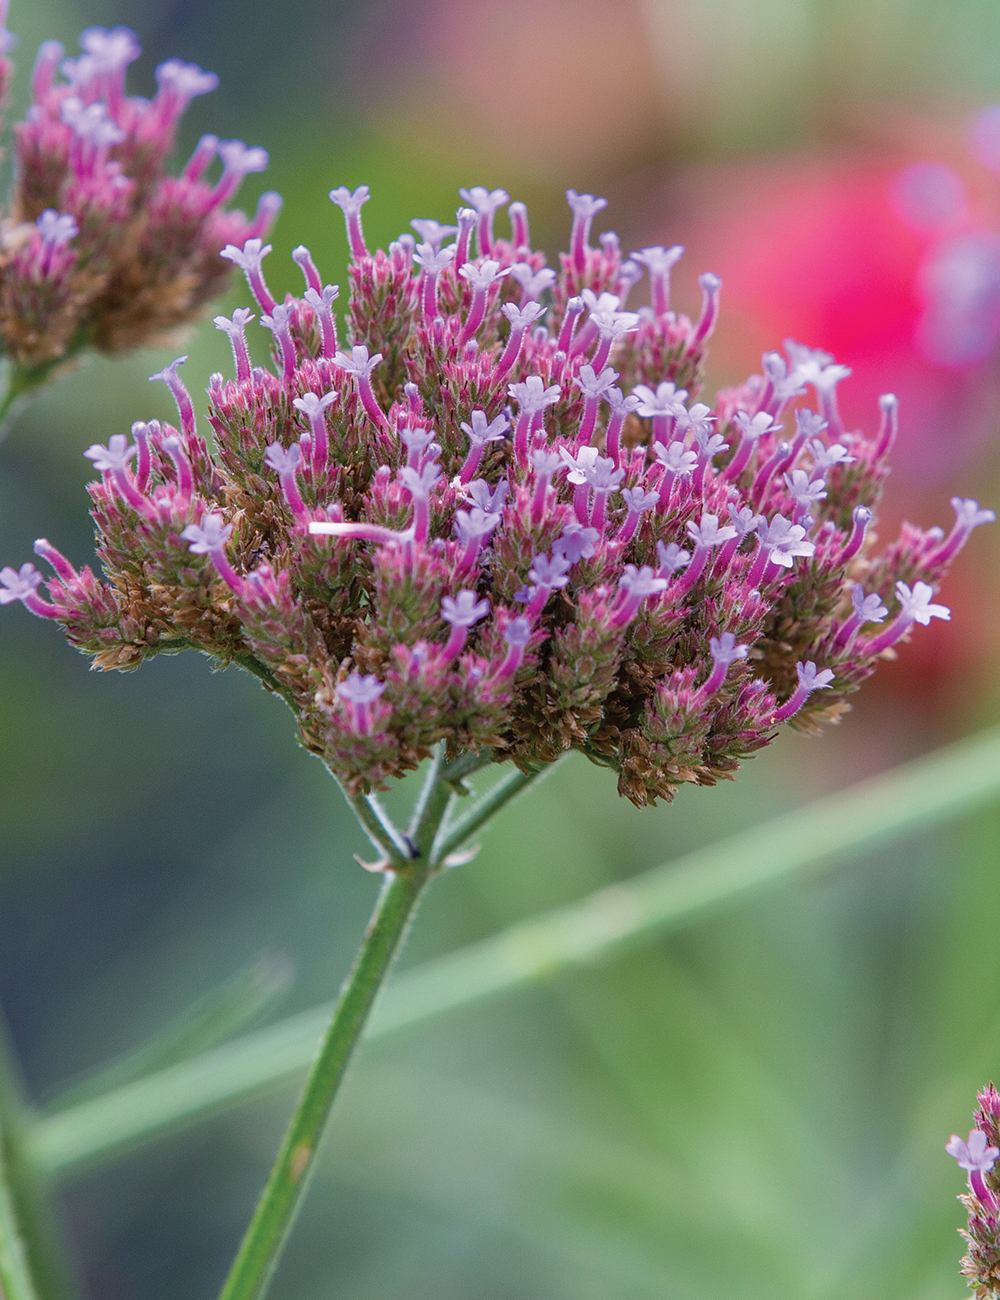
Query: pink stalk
pixel 129 491
pixel 588 423
pixel 303 258
pixel 519 226
pixel 742 457
pixel 62 566
pixel 768 470
pixel 455 644
pixel 760 565
pixel 140 432
pixel 512 350
pixel 204 152
pixel 847 633
pixel 290 488
pixel 466 218
pixel 185 479
pixel 889 426
pixel 521 431
pixel 862 518
pixel 573 310
pixel 692 573
pixel 226 571
pixel 370 403
pixel 896 629
pixel 710 286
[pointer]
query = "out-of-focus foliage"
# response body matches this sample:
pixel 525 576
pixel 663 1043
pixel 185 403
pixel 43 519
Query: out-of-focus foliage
pixel 757 1106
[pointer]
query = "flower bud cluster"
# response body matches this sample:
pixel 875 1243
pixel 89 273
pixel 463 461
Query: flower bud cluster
pixel 100 246
pixel 981 1265
pixel 496 514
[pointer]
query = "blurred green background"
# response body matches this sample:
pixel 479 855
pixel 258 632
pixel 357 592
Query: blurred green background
pixel 756 1106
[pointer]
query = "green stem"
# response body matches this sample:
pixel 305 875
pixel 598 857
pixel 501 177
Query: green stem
pixel 16 388
pixel 15 1275
pixel 453 835
pixel 882 810
pixel 32 1263
pixel 282 1195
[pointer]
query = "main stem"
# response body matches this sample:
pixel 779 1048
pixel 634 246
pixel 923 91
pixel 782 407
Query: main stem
pixel 407 871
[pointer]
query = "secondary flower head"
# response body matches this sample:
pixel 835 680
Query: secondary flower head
pixel 509 525
pixel 978 1156
pixel 122 251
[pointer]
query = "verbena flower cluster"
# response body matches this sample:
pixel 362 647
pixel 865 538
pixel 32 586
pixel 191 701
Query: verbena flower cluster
pixel 981 1265
pixel 100 247
pixel 496 514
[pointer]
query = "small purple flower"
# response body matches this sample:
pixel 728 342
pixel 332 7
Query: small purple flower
pixel 585 208
pixel 312 406
pixel 359 362
pixel 869 608
pixel 235 328
pixel 115 456
pixel 419 482
pixel 518 632
pixel 18 584
pixel 917 605
pixel 281 459
pixel 633 587
pixel 708 533
pixel 660 262
pixel 433 260
pixel 752 426
pixel 672 558
pixel 432 232
pixel 551 574
pixel 360 690
pixel 639 500
pixel 675 458
pixel 482 275
pixel 593 385
pixel 490 499
pixel 533 283
pixel 783 540
pixel 360 693
pixel 475 524
pixel 810 679
pixel 183 82
pixel 744 520
pixel 480 431
pixel 577 542
pixel 805 491
pixel 56 228
pixel 825 458
pixel 977 1158
pixel 725 650
pixel 210 535
pixel 249 259
pixel 969 515
pixel 351 203
pixel 238 160
pixel 521 317
pixel 532 395
pixel 464 610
